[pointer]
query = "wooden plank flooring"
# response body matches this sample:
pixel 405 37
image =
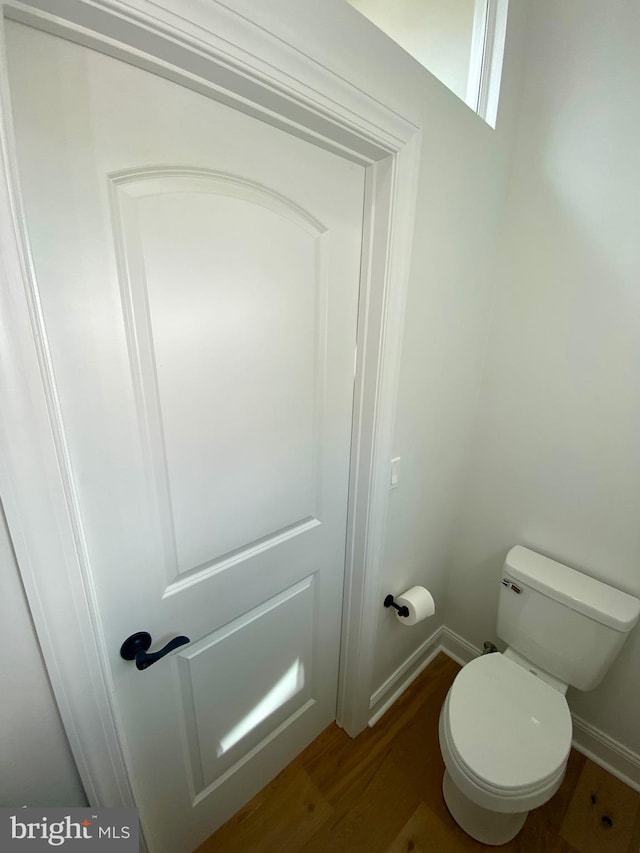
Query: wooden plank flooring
pixel 380 793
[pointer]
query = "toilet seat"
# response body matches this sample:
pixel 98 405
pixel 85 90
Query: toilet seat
pixel 507 731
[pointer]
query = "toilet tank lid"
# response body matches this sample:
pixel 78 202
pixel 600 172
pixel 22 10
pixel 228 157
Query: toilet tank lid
pixel 586 595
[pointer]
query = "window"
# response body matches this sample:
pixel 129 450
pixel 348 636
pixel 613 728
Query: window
pixel 461 42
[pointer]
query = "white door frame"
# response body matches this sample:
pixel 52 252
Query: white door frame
pixel 211 49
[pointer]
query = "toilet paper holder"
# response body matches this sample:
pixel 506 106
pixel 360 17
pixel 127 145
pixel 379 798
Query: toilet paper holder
pixel 402 610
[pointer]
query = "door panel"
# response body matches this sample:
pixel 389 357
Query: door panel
pixel 249 267
pixel 261 696
pixel 197 273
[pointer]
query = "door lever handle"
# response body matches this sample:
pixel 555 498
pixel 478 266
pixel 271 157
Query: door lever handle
pixel 136 646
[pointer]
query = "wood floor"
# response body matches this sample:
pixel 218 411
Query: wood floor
pixel 380 793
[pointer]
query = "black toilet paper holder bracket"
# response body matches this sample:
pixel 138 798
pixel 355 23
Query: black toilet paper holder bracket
pixel 403 610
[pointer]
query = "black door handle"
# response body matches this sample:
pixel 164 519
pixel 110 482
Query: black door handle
pixel 135 648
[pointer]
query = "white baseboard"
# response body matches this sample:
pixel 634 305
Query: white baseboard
pixel 456 647
pixel 602 749
pixel 607 752
pixel 384 697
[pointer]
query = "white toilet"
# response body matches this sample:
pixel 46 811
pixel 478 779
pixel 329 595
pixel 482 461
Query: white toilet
pixel 505 726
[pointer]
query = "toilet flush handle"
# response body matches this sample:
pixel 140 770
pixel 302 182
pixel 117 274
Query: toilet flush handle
pixel 511 585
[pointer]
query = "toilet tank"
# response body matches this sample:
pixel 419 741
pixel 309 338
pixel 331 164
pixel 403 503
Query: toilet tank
pixel 567 623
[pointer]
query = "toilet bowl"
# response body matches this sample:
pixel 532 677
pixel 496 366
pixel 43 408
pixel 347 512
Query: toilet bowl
pixel 505 737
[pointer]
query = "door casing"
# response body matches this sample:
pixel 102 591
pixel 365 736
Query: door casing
pixel 221 54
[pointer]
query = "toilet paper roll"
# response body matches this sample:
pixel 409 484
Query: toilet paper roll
pixel 419 602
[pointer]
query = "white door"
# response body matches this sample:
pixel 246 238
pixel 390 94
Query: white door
pixel 197 273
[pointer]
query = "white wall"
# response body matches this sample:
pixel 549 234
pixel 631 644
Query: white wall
pixel 36 767
pixel 462 188
pixel 555 463
pixel 437 33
